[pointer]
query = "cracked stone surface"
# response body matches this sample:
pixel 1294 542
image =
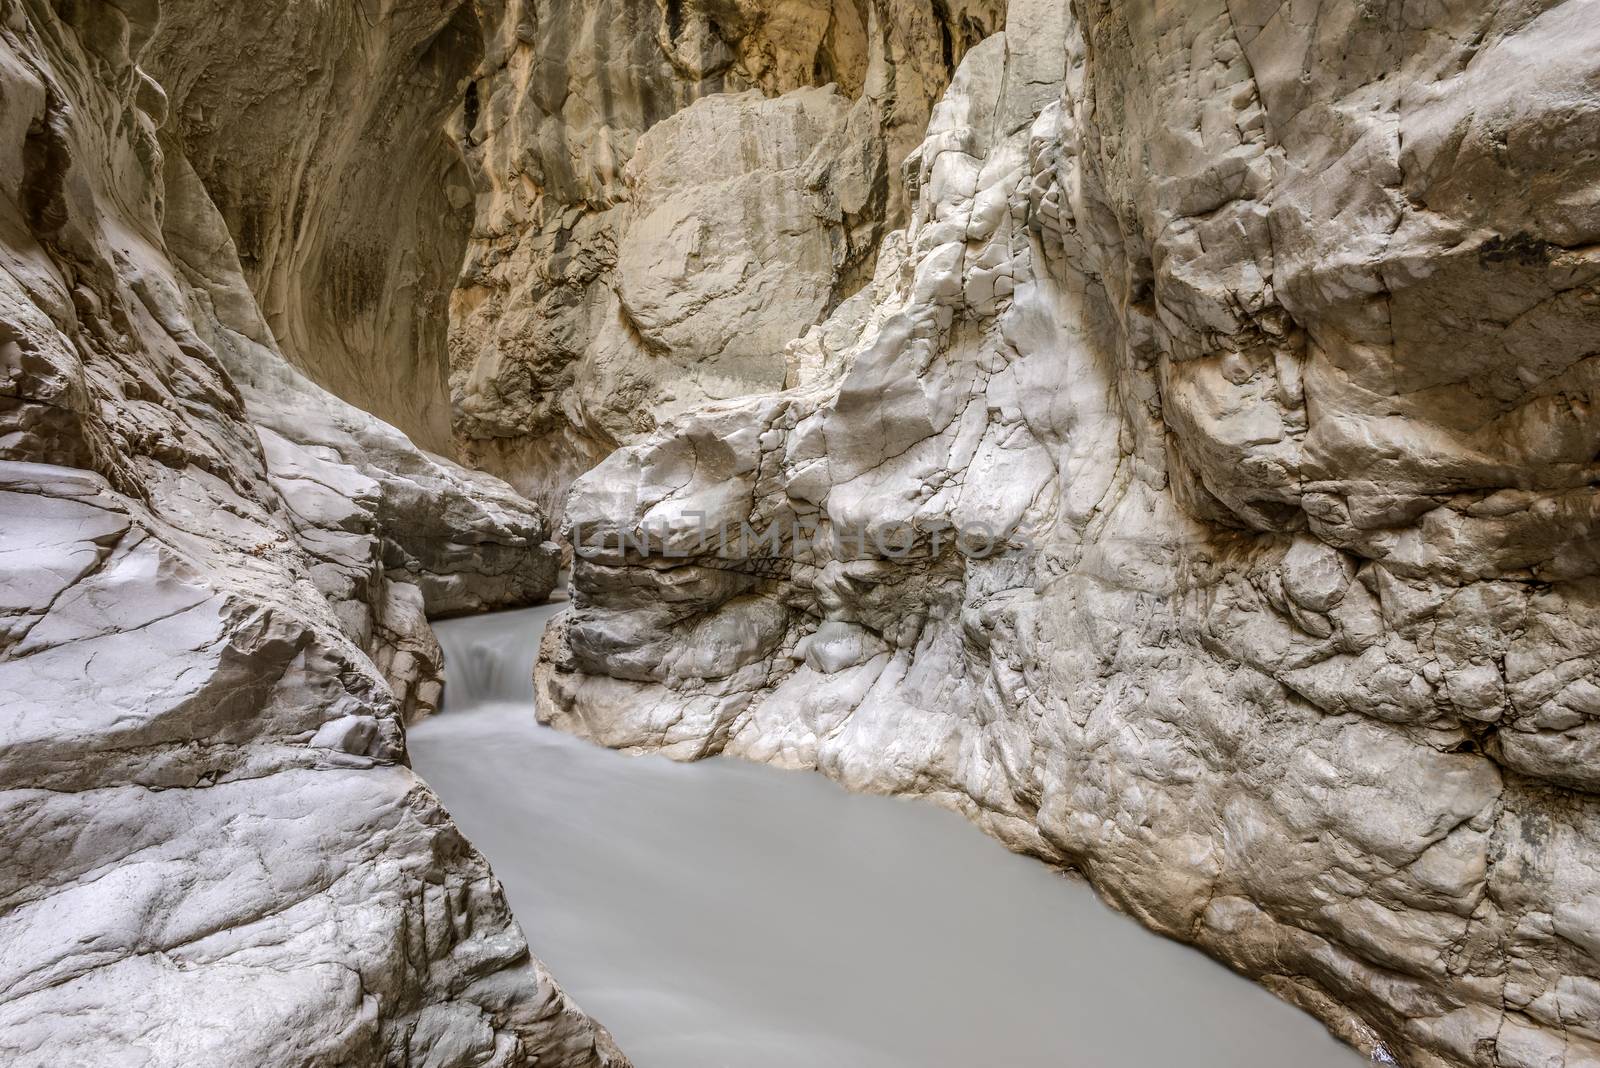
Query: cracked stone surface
pixel 213 585
pixel 1260 342
pixel 1194 403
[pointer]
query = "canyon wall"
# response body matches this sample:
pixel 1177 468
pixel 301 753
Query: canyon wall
pixel 318 129
pixel 213 583
pixel 666 194
pixel 1201 495
pixel 498 225
pixel 1172 445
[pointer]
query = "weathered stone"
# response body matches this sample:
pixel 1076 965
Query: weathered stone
pixel 626 153
pixel 1248 349
pixel 215 850
pixel 317 130
pixel 1204 479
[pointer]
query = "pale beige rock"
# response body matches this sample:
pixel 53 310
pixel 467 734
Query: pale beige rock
pixel 1248 347
pixel 317 129
pixel 1259 350
pixel 734 232
pixel 583 131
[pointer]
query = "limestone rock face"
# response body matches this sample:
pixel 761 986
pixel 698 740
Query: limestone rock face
pixel 650 175
pixel 730 243
pixel 1201 495
pixel 356 154
pixel 318 131
pixel 213 580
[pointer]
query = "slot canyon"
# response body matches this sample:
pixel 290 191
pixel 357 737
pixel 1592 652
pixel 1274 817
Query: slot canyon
pixel 1161 436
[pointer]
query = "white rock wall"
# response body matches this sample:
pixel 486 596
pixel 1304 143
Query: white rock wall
pixel 212 584
pixel 447 211
pixel 650 174
pixel 1262 338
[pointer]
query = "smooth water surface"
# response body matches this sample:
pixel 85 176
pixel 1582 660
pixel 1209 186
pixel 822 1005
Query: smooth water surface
pixel 727 915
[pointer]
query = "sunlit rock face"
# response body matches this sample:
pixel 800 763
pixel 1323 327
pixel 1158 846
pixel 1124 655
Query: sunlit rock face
pixel 213 580
pixel 1260 342
pixel 666 194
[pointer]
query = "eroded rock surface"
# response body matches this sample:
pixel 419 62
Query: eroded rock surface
pixel 213 579
pixel 317 129
pixel 648 176
pixel 356 153
pixel 1252 349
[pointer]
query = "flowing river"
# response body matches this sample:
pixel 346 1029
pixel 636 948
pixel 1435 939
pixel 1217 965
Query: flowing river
pixel 728 915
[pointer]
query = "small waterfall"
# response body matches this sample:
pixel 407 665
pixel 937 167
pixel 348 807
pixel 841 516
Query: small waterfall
pixel 489 659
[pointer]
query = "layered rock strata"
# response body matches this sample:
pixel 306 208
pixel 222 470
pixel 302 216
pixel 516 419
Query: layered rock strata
pixel 1202 496
pixel 211 628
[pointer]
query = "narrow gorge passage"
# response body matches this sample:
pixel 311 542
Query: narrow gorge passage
pixel 724 914
pixel 1168 431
